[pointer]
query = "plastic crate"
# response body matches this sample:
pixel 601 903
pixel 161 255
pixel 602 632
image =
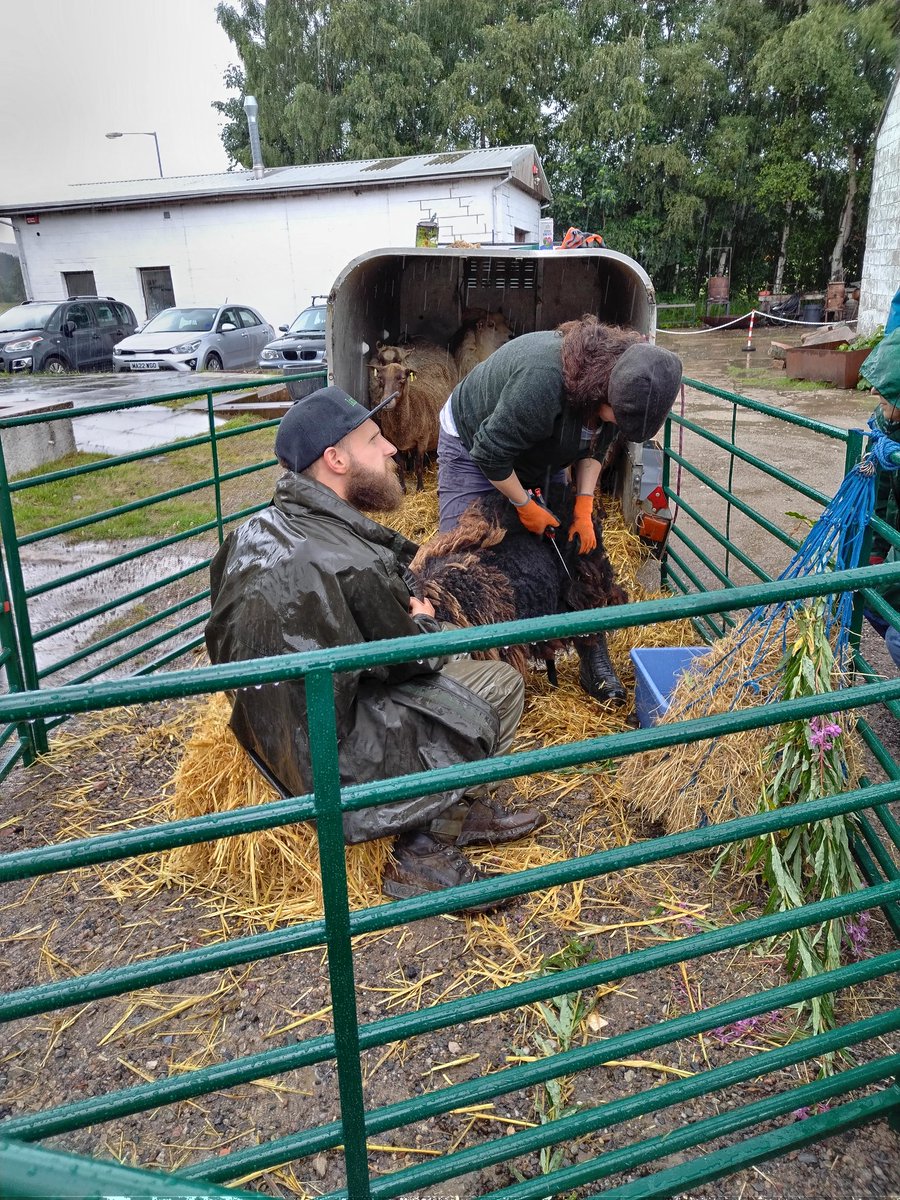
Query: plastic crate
pixel 656 671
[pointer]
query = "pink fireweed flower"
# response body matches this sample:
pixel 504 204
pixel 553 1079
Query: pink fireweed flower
pixel 857 933
pixel 823 733
pixel 739 1029
pixel 801 1114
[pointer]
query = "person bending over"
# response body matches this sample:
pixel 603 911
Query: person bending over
pixel 542 403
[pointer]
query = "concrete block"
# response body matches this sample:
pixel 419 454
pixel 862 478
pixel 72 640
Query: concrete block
pixel 26 447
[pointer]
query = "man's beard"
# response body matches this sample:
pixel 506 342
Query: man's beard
pixel 374 491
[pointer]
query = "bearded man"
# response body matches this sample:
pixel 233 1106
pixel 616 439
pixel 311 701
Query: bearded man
pixel 310 572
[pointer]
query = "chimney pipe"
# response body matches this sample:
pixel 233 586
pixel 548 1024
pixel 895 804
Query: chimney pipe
pixel 251 108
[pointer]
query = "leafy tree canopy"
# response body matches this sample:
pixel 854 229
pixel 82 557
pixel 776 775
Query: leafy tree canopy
pixel 667 125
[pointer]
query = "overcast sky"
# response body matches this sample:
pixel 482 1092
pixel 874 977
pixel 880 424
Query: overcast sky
pixel 75 70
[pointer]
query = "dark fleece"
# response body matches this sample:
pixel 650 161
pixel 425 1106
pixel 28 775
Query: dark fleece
pixel 491 569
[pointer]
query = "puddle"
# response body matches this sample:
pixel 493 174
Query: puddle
pixel 44 563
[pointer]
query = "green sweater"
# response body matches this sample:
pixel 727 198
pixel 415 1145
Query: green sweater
pixel 511 413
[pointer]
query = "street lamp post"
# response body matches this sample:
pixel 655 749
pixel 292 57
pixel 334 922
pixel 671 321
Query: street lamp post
pixel 142 133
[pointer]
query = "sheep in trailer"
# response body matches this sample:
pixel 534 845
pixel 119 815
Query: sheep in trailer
pixel 478 339
pixel 490 569
pixel 424 375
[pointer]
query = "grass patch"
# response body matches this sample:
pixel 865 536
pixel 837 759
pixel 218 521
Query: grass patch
pixel 51 504
pixel 772 378
pixel 132 616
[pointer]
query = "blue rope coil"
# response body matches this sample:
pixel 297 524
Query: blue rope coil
pixel 882 449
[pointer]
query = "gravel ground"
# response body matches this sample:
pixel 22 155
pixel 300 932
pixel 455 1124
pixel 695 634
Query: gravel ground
pixel 113 771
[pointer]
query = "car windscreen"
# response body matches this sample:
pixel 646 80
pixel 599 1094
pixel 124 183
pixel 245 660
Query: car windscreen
pixel 311 320
pixel 27 316
pixel 182 320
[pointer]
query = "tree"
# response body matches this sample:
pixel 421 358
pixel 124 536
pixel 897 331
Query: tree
pixel 667 125
pixel 827 73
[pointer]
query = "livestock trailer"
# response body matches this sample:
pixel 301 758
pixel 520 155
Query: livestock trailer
pixel 389 294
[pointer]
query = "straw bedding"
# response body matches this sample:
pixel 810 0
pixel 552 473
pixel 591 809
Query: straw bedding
pixel 130 768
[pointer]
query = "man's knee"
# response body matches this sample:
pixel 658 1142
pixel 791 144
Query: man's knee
pixel 498 683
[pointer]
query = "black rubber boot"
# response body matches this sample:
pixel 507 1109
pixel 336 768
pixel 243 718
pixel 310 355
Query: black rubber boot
pixel 597 675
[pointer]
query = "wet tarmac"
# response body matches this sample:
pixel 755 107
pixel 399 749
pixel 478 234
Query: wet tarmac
pixel 98 388
pixel 126 430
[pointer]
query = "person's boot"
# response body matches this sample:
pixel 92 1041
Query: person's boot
pixel 597 675
pixel 479 820
pixel 421 864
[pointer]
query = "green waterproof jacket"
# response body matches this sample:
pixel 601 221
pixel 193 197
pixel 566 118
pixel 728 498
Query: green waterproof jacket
pixel 511 413
pixel 311 572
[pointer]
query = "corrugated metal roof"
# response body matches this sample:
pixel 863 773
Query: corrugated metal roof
pixel 311 177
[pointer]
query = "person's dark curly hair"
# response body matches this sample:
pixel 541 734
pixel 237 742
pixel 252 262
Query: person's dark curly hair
pixel 590 350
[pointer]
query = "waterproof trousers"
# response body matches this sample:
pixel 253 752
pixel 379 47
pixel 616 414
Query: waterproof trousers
pixel 498 683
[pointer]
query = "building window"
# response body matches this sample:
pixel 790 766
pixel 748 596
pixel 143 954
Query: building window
pixel 79 283
pixel 519 235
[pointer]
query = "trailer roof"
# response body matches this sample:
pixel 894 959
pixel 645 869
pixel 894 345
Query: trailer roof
pixel 520 163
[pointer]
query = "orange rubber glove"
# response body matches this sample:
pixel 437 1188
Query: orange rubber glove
pixel 536 519
pixel 583 524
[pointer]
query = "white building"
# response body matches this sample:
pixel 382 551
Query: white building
pixel 270 238
pixel 881 264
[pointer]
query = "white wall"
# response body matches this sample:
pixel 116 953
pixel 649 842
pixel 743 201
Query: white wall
pixel 881 265
pixel 269 253
pixel 516 210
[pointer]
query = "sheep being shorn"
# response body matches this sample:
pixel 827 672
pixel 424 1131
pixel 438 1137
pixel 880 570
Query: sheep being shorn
pixel 424 375
pixel 489 568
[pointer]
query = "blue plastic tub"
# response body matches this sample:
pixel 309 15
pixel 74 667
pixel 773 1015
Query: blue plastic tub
pixel 656 672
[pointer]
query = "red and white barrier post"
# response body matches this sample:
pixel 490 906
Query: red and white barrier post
pixel 750 347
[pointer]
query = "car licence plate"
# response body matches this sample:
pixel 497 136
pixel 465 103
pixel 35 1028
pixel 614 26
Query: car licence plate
pixel 144 366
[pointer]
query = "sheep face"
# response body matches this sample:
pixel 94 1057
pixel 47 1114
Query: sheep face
pixel 491 331
pixel 480 339
pixel 385 378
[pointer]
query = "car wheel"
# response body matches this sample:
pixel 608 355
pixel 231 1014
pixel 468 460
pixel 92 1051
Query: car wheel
pixel 213 363
pixel 55 366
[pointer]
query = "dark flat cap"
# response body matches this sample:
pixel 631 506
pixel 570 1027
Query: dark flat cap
pixel 642 389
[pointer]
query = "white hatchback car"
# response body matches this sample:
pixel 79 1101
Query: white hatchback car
pixel 195 339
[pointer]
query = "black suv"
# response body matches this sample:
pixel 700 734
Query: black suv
pixel 63 335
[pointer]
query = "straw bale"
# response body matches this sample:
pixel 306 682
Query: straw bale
pixel 275 870
pixel 716 779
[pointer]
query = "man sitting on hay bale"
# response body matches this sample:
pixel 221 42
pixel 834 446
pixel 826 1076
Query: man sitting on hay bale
pixel 311 571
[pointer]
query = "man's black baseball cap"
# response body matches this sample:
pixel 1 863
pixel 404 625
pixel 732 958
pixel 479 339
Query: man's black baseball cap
pixel 318 421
